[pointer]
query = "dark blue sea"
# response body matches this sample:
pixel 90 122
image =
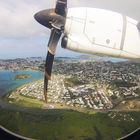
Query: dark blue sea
pixel 7 83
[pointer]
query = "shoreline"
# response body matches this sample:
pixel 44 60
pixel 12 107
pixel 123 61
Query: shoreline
pixel 7 98
pixel 52 105
pixel 49 107
pixel 20 87
pixel 16 83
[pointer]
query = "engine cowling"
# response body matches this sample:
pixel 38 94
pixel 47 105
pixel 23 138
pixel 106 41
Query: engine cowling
pixel 79 44
pixel 85 32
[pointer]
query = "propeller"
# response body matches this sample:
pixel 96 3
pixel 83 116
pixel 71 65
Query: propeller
pixel 53 19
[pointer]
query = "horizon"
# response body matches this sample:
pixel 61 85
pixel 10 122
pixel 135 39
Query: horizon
pixel 78 57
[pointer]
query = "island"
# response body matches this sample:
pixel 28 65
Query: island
pixel 21 76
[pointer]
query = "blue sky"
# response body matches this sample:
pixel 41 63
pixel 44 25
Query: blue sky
pixel 22 36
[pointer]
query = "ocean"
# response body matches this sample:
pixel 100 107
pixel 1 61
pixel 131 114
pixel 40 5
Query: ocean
pixel 7 83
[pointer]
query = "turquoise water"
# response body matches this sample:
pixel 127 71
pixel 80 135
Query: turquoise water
pixel 7 83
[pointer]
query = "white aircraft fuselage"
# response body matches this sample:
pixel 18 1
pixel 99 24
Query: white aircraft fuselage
pixel 102 32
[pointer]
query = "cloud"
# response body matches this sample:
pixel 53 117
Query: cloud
pixel 16 17
pixel 20 31
pixel 127 7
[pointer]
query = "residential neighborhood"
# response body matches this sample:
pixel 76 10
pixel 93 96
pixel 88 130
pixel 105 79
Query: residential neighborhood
pixel 91 84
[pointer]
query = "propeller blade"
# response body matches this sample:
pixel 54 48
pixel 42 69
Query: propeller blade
pixel 61 7
pixel 53 41
pixel 45 88
pixel 53 19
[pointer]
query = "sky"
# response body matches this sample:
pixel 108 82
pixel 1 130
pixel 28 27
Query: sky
pixel 21 36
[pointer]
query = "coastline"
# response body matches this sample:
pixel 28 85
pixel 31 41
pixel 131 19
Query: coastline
pixel 25 114
pixel 20 87
pixel 48 109
pixel 42 109
pixel 52 95
pixel 5 97
pixel 8 84
pixel 52 105
pixel 49 105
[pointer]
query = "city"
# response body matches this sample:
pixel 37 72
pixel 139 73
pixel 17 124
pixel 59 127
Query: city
pixel 86 83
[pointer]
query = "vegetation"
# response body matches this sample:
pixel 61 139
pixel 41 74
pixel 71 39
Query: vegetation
pixel 21 76
pixel 72 81
pixel 24 116
pixel 23 101
pixel 67 124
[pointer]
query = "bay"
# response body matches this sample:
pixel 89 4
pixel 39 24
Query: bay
pixel 7 82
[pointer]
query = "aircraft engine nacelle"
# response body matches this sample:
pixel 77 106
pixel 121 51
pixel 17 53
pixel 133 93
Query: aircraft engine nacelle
pixel 79 43
pixel 101 32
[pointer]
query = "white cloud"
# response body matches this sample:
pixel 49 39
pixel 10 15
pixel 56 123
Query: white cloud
pixel 18 28
pixel 16 16
pixel 127 7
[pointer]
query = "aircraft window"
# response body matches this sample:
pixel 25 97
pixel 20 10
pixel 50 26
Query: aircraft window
pixel 48 93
